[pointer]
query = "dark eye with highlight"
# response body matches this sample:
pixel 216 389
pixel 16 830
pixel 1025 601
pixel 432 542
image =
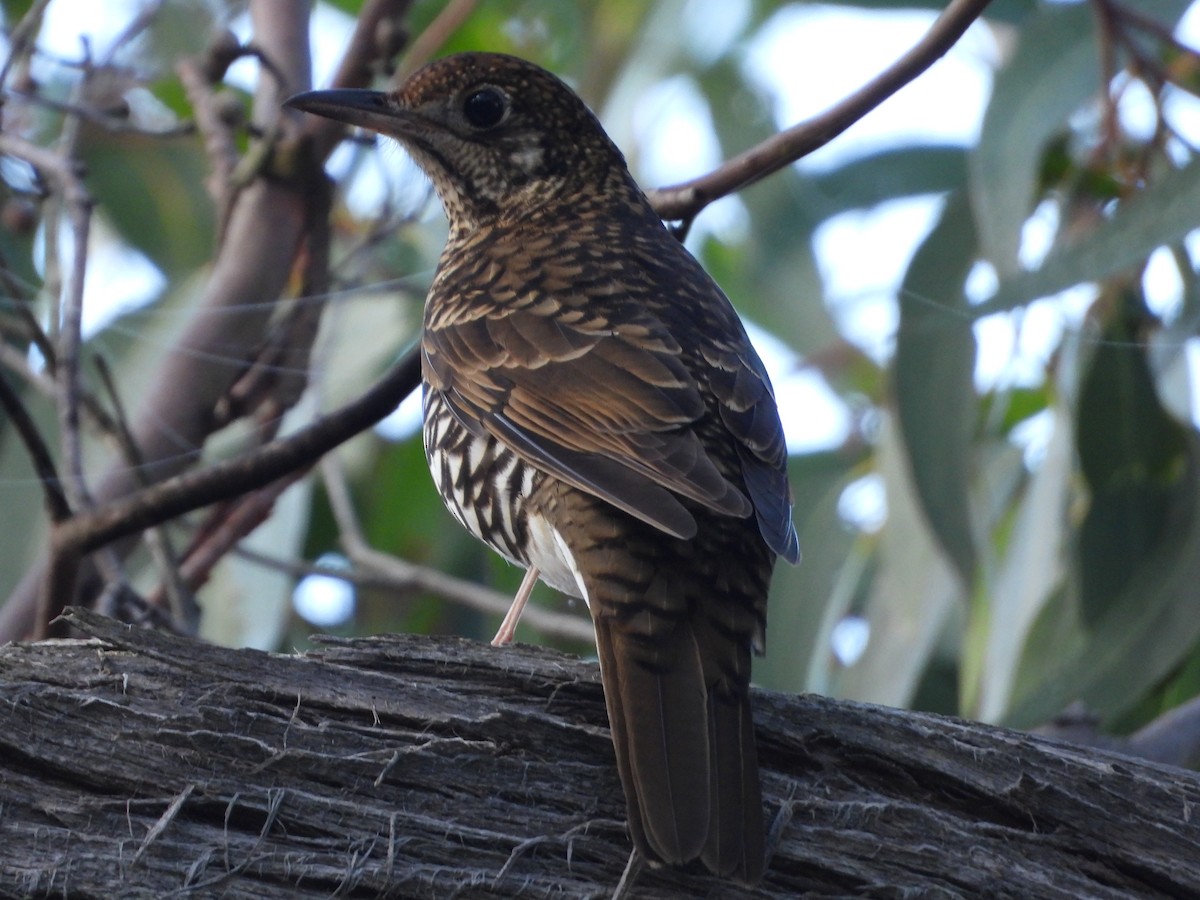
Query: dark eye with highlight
pixel 485 107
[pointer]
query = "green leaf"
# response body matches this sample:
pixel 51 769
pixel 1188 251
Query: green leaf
pixel 152 190
pixel 1053 72
pixel 899 172
pixel 1161 214
pixel 773 277
pixel 15 11
pixel 1131 452
pixel 808 599
pixel 1028 570
pixel 933 376
pixel 913 595
pixel 1137 641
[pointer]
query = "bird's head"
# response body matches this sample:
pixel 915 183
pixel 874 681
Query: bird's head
pixel 495 134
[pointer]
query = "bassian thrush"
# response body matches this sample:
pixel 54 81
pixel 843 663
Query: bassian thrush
pixel 595 412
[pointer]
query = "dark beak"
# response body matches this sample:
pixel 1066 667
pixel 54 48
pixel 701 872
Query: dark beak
pixel 367 109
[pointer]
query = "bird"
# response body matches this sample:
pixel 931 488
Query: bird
pixel 594 411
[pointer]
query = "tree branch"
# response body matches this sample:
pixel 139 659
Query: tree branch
pixel 39 454
pixel 266 223
pixel 440 767
pixel 683 202
pixel 227 479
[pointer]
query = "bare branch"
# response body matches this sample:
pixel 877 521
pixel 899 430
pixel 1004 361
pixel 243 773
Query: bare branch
pixel 39 454
pixel 378 36
pixel 225 480
pixel 683 202
pixel 429 41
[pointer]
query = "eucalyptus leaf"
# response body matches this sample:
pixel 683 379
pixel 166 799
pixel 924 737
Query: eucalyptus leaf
pixel 1161 214
pixel 933 377
pixel 152 190
pixel 907 171
pixel 914 591
pixel 1131 451
pixel 808 599
pixel 1140 638
pixel 1028 571
pixel 1052 73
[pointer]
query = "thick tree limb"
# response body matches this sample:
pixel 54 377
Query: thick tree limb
pixel 143 764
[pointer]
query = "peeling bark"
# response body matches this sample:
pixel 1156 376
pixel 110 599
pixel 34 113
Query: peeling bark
pixel 136 763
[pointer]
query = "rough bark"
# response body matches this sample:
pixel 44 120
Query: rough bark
pixel 137 763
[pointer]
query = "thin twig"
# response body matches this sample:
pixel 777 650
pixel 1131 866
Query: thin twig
pixel 39 454
pixel 64 171
pixel 183 603
pixel 1107 27
pixel 358 63
pixel 219 142
pixel 18 363
pixel 20 39
pixel 128 515
pixel 429 41
pixel 682 202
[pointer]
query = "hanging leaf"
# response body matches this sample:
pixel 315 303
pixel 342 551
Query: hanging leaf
pixel 1132 453
pixel 933 374
pixel 1052 74
pixel 1027 572
pixel 1161 214
pixel 1147 629
pixel 914 592
pixel 152 190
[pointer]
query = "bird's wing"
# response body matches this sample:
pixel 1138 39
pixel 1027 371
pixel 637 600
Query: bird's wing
pixel 739 381
pixel 610 410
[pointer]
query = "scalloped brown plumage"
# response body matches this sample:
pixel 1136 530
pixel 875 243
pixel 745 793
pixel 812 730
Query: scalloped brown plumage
pixel 594 409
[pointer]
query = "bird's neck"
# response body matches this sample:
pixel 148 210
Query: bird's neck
pixel 551 201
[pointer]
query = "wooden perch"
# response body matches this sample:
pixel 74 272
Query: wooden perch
pixel 137 763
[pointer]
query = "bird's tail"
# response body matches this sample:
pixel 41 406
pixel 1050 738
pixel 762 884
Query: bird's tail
pixel 685 749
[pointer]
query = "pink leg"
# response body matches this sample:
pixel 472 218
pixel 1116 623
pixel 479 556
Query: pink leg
pixel 509 626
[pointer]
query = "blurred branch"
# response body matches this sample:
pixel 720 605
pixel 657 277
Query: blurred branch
pixel 266 225
pixel 429 41
pixel 39 454
pixel 1172 738
pixel 219 141
pixel 184 608
pixel 245 513
pixel 20 38
pixel 377 39
pixel 65 173
pixel 683 202
pixel 183 493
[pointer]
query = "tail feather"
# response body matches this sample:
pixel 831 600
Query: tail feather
pixel 659 721
pixel 735 844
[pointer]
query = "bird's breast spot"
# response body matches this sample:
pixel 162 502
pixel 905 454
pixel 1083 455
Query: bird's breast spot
pixel 553 559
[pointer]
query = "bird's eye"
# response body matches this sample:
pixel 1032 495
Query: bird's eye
pixel 485 107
